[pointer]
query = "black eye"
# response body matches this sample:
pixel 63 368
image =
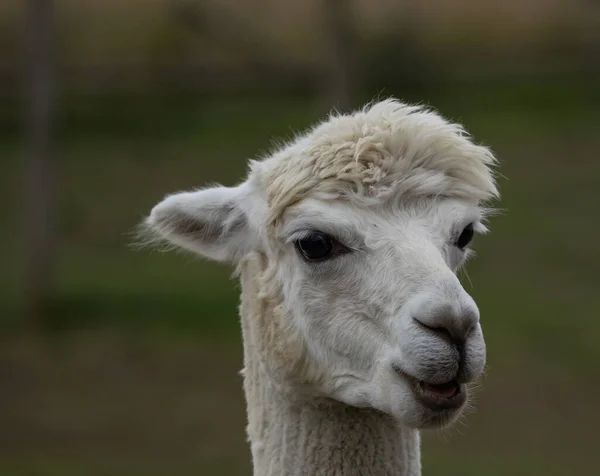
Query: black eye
pixel 317 246
pixel 465 237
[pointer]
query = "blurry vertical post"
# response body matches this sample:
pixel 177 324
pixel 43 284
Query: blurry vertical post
pixel 40 186
pixel 591 22
pixel 338 23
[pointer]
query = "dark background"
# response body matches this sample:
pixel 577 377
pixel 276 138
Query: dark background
pixel 116 361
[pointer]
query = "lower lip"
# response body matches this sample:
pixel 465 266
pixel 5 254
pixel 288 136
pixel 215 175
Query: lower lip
pixel 437 400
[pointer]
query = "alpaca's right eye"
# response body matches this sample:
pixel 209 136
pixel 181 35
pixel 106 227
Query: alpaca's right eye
pixel 465 237
pixel 317 246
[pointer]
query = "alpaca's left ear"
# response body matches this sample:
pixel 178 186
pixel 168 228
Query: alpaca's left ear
pixel 212 222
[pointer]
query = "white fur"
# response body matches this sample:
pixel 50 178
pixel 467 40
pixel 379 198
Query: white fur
pixel 396 184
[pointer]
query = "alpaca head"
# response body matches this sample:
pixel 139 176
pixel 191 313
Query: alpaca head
pixel 361 224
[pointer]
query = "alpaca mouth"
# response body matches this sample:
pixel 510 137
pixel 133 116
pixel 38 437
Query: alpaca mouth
pixel 450 395
pixel 444 390
pixel 443 396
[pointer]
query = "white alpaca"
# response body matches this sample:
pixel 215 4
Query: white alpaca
pixel 356 330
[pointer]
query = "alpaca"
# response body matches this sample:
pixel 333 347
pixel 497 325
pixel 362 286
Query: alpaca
pixel 356 330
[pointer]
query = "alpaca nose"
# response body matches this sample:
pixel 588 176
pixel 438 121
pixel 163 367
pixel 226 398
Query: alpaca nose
pixel 450 318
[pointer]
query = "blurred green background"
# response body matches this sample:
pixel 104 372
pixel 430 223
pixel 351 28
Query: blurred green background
pixel 125 362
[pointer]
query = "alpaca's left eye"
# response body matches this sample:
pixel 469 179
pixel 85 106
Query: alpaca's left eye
pixel 317 246
pixel 465 237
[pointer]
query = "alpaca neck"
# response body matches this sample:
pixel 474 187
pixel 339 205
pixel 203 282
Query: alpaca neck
pixel 293 437
pixel 292 434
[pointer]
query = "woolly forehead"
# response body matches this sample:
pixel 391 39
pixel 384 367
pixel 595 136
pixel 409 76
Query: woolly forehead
pixel 352 227
pixel 387 149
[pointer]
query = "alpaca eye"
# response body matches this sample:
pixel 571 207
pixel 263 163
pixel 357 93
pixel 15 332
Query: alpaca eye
pixel 316 246
pixel 465 237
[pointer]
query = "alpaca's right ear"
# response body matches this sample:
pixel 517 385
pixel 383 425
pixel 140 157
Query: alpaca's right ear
pixel 212 222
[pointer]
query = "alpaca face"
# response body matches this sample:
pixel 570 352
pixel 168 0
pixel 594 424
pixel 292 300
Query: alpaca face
pixel 373 291
pixel 362 224
pixel 369 291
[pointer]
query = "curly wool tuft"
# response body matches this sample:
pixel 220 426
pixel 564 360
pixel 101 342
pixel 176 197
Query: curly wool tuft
pixel 386 148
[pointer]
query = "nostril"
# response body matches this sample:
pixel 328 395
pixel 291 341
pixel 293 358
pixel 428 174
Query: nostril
pixel 439 330
pixel 451 320
pixel 447 334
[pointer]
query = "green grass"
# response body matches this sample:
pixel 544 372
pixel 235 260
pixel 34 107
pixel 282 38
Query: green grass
pixel 144 367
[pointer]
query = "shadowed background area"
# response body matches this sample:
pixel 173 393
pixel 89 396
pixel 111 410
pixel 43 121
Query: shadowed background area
pixel 116 361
